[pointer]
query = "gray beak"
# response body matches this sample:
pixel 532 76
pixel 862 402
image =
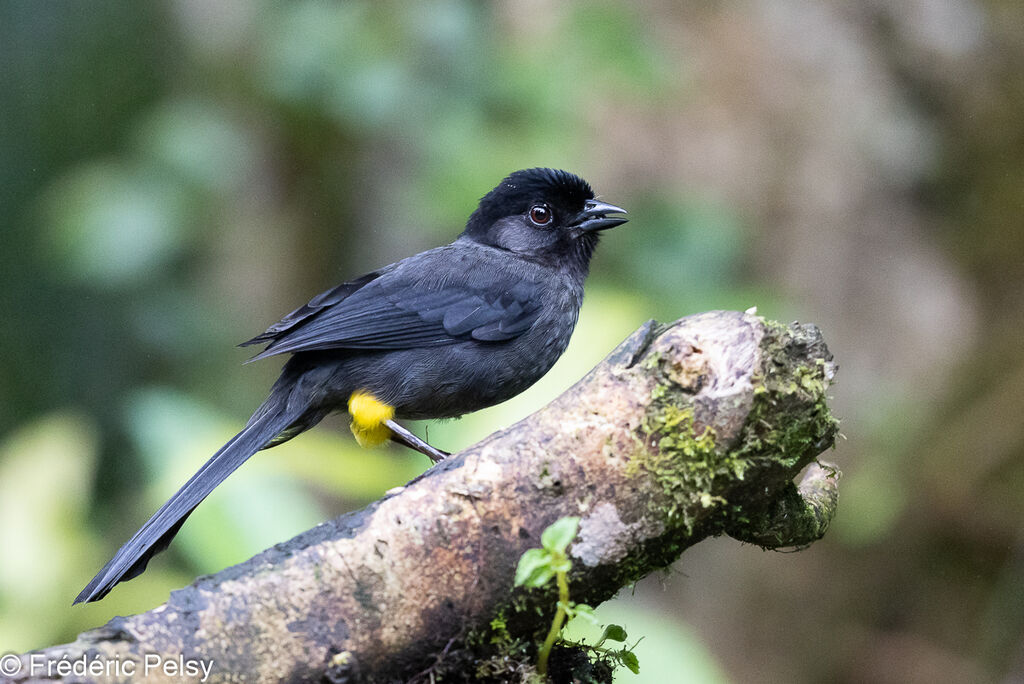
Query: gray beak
pixel 593 217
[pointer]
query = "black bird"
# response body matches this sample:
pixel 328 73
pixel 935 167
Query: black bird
pixel 439 334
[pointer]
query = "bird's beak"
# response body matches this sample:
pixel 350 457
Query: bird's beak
pixel 593 217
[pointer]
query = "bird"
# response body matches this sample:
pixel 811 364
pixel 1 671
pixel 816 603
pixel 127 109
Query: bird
pixel 439 334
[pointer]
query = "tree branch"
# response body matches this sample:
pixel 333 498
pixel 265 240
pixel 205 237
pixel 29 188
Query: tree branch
pixel 685 431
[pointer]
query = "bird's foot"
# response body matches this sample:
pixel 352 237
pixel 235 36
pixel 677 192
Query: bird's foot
pixel 405 438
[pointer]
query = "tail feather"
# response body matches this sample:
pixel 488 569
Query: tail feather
pixel 267 423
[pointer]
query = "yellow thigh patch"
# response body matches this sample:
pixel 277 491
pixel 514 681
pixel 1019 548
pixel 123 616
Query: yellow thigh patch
pixel 368 416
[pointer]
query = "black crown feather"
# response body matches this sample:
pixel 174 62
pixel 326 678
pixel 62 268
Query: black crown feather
pixel 515 192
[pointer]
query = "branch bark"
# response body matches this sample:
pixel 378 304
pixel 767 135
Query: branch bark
pixel 685 431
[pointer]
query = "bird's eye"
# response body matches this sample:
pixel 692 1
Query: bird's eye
pixel 540 214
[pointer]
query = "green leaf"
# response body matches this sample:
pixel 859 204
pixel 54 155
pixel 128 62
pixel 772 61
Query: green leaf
pixel 614 633
pixel 629 659
pixel 559 534
pixel 582 610
pixel 535 569
pixel 560 563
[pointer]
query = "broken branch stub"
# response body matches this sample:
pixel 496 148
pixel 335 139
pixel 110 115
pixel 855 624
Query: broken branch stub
pixel 685 431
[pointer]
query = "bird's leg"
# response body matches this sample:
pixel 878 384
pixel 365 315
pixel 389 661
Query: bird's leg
pixel 405 438
pixel 373 424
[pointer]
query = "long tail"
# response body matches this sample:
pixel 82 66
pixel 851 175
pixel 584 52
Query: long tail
pixel 272 419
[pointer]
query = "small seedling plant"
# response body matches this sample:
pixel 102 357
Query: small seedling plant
pixel 536 569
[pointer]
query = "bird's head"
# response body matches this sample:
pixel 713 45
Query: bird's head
pixel 545 215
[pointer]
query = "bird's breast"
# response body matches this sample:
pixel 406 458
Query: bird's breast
pixel 445 382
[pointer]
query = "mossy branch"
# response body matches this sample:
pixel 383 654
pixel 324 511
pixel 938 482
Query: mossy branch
pixel 685 431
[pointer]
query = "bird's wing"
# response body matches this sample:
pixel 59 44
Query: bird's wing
pixel 312 308
pixel 403 308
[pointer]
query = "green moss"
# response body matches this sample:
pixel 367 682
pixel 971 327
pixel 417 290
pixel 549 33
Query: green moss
pixel 684 463
pixel 788 424
pixel 789 520
pixel 490 654
pixel 499 630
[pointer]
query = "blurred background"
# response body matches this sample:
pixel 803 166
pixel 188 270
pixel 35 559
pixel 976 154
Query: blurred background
pixel 176 175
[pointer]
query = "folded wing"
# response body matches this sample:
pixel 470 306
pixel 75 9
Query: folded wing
pixel 398 310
